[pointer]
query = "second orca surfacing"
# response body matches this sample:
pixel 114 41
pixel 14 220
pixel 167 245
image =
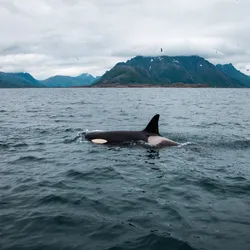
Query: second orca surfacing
pixel 149 135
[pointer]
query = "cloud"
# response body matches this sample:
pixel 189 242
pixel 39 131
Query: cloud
pixel 48 37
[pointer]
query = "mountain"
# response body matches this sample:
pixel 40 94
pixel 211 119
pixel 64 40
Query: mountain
pixel 232 72
pixel 166 70
pixel 68 81
pixel 25 80
pixel 178 71
pixel 18 80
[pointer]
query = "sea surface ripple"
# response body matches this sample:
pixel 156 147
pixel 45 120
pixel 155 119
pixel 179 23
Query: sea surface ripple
pixel 58 191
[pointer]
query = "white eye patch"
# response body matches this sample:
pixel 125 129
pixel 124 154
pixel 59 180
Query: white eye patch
pixel 99 141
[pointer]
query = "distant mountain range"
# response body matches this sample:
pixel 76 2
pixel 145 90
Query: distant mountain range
pixel 25 80
pixel 68 81
pixel 232 72
pixel 18 80
pixel 167 71
pixel 143 71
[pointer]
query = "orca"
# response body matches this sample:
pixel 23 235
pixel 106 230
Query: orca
pixel 150 135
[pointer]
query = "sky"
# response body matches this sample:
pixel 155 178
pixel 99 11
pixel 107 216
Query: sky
pixel 70 37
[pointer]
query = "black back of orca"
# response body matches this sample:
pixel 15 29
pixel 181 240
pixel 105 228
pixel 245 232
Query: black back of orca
pixel 126 136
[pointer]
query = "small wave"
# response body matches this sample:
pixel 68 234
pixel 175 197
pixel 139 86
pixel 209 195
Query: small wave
pixel 215 124
pixel 211 185
pixel 5 187
pixel 207 125
pixel 52 184
pixel 44 219
pixel 68 130
pixel 3 111
pixel 95 174
pixel 52 198
pixel 4 145
pixel 239 125
pixel 33 111
pixel 236 178
pixel 59 120
pixel 80 102
pixel 21 188
pixel 27 159
pixel 9 145
pixel 219 187
pixel 39 143
pixel 41 130
pixel 242 143
pixel 181 118
pixel 69 141
pixel 153 241
pixel 75 174
pixel 234 144
pixel 19 145
pixel 44 131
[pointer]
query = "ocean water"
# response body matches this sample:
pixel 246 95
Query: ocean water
pixel 58 191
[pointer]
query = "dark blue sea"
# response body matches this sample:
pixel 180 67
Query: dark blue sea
pixel 58 191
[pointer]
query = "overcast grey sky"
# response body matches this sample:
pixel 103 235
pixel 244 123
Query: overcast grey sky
pixel 69 37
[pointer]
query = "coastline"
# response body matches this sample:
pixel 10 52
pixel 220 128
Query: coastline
pixel 174 85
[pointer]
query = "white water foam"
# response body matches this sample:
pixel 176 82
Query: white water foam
pixel 185 144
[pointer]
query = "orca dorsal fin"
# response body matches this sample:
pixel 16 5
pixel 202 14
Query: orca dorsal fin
pixel 152 126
